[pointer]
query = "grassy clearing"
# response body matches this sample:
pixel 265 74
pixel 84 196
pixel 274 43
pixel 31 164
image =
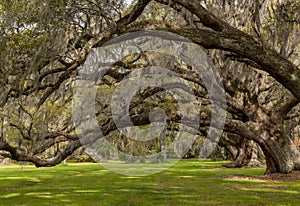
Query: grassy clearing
pixel 189 182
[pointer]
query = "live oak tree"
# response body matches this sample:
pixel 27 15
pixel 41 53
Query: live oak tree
pixel 266 124
pixel 42 52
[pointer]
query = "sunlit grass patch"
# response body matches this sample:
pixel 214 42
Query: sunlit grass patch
pixel 189 182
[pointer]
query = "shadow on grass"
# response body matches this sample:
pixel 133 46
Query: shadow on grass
pixel 189 182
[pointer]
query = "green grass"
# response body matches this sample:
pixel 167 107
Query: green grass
pixel 189 182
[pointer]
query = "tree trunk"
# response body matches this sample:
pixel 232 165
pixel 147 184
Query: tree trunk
pixel 281 154
pixel 163 146
pixel 248 155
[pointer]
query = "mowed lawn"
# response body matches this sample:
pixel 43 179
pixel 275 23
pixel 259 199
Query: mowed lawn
pixel 189 182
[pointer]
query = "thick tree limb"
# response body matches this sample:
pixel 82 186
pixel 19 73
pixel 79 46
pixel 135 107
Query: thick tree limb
pixel 127 19
pixel 228 38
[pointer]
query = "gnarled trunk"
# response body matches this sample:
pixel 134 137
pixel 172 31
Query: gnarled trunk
pixel 248 155
pixel 281 154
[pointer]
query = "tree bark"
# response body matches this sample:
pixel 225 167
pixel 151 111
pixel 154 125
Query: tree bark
pixel 247 156
pixel 281 154
pixel 163 146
